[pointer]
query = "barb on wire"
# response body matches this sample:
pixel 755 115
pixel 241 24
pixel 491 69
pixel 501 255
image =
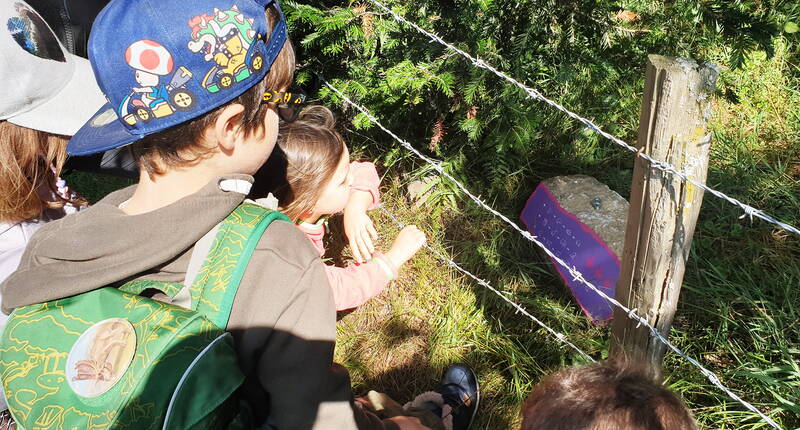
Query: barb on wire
pixel 484 283
pixel 749 211
pixel 575 274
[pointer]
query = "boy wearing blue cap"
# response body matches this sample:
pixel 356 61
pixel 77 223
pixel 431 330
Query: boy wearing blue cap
pixel 185 82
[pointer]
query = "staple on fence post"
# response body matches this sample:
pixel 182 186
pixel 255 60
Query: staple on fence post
pixel 663 209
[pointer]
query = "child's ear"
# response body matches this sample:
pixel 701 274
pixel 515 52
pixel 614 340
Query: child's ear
pixel 225 129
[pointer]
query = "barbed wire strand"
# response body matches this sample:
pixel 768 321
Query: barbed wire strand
pixel 484 283
pixel 748 210
pixel 577 276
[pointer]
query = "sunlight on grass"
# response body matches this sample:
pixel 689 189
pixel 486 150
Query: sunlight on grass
pixel 738 314
pixel 443 318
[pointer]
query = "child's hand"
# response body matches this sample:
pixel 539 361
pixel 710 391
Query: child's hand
pixel 407 243
pixel 358 226
pixel 360 232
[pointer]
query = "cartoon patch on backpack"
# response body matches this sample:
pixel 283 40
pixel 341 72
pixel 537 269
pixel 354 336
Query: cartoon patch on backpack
pixel 152 98
pixel 227 39
pixel 100 357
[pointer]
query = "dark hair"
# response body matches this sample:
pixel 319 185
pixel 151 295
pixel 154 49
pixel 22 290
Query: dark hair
pixel 180 145
pixel 610 395
pixel 302 163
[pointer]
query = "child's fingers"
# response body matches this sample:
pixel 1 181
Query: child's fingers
pixel 367 238
pixel 421 241
pixel 354 248
pixel 418 235
pixel 364 401
pixel 366 244
pixel 372 231
pixel 359 249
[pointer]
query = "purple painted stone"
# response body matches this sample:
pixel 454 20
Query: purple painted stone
pixel 576 243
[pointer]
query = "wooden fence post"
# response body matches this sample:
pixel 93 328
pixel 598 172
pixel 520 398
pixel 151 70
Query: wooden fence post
pixel 663 209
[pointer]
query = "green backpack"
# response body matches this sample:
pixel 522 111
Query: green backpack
pixel 111 358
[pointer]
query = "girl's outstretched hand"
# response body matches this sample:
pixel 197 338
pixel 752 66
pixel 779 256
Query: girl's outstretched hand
pixel 407 243
pixel 358 226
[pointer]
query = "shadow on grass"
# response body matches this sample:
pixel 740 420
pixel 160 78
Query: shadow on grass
pixel 402 383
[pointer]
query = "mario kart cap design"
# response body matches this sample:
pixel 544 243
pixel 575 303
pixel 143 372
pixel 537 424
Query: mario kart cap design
pixel 163 63
pixel 49 89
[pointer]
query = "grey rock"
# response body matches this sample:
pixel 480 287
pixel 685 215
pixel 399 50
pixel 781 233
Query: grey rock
pixel 419 190
pixel 596 205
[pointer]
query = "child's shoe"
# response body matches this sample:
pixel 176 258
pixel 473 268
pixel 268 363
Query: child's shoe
pixel 461 392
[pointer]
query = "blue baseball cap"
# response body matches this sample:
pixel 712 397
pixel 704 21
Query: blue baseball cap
pixel 163 63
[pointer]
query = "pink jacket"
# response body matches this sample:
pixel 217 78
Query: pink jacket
pixel 355 284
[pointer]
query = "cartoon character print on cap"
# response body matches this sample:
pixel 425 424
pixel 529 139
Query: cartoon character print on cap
pixel 32 34
pixel 227 38
pixel 152 98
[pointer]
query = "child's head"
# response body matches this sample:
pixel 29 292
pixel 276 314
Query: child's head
pixel 309 170
pixel 186 81
pixel 49 94
pixel 604 396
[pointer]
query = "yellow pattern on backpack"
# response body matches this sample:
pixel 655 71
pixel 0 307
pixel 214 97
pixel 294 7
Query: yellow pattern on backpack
pixel 39 340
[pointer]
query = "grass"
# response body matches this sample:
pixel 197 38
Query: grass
pixel 432 317
pixel 739 311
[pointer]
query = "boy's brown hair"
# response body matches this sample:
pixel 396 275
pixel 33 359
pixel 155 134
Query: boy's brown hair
pixel 30 162
pixel 610 395
pixel 180 145
pixel 304 160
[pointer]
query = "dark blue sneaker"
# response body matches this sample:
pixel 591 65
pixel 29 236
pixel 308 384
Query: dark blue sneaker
pixel 461 392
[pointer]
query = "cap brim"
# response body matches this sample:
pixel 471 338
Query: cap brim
pixel 70 108
pixel 102 132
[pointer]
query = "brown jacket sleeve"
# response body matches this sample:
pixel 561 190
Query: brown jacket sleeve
pixel 284 324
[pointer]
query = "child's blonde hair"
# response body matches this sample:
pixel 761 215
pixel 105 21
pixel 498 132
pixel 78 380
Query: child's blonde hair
pixel 30 162
pixel 304 161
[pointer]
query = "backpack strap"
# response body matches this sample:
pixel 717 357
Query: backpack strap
pixel 199 253
pixel 217 280
pixel 179 293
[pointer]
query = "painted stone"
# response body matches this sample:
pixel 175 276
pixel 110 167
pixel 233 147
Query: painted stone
pixel 582 222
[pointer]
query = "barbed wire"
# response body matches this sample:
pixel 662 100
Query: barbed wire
pixel 558 335
pixel 748 210
pixel 576 275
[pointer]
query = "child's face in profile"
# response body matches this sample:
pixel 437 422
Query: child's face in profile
pixel 334 197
